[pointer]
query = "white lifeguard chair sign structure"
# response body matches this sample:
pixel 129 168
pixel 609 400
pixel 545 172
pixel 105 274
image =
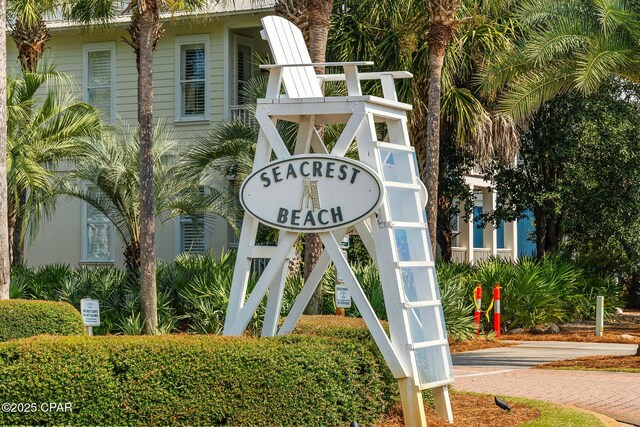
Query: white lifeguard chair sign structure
pixel 379 196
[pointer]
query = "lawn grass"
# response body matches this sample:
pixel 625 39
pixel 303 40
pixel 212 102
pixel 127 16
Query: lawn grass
pixel 555 415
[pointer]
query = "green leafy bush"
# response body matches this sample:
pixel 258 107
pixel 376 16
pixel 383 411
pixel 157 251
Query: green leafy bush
pixel 551 290
pixel 22 318
pixel 193 292
pixel 196 380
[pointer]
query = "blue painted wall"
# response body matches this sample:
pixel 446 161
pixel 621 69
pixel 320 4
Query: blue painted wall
pixel 526 227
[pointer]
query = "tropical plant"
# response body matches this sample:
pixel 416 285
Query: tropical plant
pixel 469 120
pixel 567 45
pixel 578 176
pixel 111 164
pixel 42 132
pixel 194 292
pixel 29 30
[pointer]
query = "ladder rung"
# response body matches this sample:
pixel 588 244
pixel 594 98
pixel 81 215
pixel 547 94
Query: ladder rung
pixel 425 344
pixel 401 224
pixel 408 186
pixel 401 264
pixel 395 147
pixel 419 304
pixel 436 384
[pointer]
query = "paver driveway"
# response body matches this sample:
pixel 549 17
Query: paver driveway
pixel 505 371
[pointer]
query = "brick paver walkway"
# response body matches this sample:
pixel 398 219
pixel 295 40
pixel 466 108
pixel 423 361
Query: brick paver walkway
pixel 615 394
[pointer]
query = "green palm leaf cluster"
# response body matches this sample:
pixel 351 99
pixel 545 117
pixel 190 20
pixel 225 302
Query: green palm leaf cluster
pixel 393 35
pixel 562 46
pixel 45 125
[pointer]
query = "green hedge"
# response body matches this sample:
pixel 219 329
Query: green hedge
pixel 196 380
pixel 22 318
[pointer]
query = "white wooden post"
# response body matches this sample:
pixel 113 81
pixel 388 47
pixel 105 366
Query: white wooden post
pixel 599 315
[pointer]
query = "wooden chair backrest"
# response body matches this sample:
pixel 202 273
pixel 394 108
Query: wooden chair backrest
pixel 288 47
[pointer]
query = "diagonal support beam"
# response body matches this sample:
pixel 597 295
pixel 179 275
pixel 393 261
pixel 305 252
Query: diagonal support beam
pixel 238 325
pixel 310 285
pixel 268 128
pixel 360 299
pixel 348 134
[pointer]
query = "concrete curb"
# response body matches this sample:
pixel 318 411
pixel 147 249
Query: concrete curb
pixel 607 421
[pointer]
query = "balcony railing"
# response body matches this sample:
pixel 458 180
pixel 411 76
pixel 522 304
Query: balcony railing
pixel 459 255
pixel 244 114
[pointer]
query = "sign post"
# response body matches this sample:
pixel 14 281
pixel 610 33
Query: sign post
pixel 90 310
pixel 342 296
pixel 599 315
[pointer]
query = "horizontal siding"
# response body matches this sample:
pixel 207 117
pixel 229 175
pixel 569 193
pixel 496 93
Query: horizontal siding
pixel 65 50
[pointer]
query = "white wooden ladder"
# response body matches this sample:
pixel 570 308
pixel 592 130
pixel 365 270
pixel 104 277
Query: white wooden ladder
pixel 406 264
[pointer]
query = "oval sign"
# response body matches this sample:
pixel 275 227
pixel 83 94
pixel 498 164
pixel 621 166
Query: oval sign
pixel 312 193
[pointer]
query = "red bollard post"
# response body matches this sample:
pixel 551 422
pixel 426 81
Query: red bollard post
pixel 478 303
pixel 496 309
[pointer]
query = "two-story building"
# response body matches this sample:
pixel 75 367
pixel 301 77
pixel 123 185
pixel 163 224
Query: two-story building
pixel 200 65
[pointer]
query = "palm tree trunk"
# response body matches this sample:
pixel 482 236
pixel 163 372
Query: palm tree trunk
pixel 445 232
pixel 438 39
pixel 147 20
pixel 5 269
pixel 319 15
pixel 16 224
pixel 132 261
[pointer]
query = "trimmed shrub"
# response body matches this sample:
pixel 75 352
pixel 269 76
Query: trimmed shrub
pixel 22 318
pixel 195 380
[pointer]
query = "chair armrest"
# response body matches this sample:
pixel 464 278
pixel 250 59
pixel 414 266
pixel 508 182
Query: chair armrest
pixel 366 76
pixel 319 64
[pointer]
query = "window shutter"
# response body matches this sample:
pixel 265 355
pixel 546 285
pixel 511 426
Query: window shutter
pixel 192 235
pixel 99 80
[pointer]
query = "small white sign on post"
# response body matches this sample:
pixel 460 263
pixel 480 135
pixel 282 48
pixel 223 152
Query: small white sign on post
pixel 90 310
pixel 343 297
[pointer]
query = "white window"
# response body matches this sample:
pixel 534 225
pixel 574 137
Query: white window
pixel 192 81
pixel 97 235
pixel 455 230
pixel 99 77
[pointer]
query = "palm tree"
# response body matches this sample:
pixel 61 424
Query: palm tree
pixel 568 45
pixel 5 270
pixel 467 117
pixel 29 32
pixel 41 133
pixel 442 24
pixel 144 30
pixel 111 166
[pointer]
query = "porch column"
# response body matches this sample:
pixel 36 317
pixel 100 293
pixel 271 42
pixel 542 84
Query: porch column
pixel 511 238
pixel 464 239
pixel 490 231
pixel 470 229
